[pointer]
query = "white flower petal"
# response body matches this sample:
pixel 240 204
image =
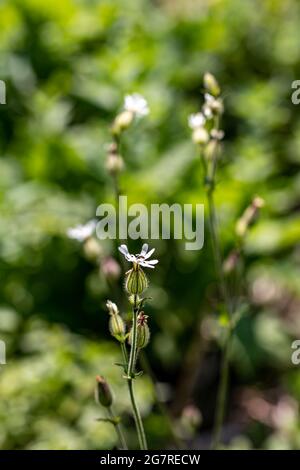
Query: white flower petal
pixel 149 253
pixel 82 232
pixel 124 250
pixel 196 120
pixel 146 264
pixel 209 98
pixel 152 261
pixel 144 250
pixel 136 104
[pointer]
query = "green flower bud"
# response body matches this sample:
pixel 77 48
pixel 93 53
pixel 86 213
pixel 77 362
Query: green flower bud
pixel 134 300
pixel 143 332
pixel 122 122
pixel 211 84
pixel 116 323
pixel 103 394
pixel 136 281
pixel 116 326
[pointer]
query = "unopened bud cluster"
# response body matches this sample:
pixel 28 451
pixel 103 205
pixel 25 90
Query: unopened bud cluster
pixel 114 161
pixel 203 123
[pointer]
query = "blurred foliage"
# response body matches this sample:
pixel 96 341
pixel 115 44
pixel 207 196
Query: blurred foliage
pixel 67 66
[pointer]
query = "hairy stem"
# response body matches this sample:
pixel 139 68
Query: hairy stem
pixel 118 429
pixel 130 378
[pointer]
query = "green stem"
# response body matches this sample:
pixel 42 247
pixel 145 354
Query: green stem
pixel 223 385
pixel 130 377
pixel 118 429
pixel 137 418
pixel 222 393
pixel 125 355
pixel 217 254
pixel 132 354
pixel 216 249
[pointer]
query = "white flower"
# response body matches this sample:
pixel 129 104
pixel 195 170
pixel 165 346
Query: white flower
pixel 196 121
pixel 136 104
pixel 141 258
pixel 212 105
pixel 82 232
pixel 209 99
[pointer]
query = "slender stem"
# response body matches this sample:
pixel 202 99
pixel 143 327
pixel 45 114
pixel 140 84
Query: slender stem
pixel 130 377
pixel 222 393
pixel 137 418
pixel 118 429
pixel 132 355
pixel 216 249
pixel 125 355
pixel 217 254
pixel 223 385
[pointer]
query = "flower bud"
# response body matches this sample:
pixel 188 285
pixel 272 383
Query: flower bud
pixel 136 281
pixel 112 308
pixel 103 394
pixel 210 149
pixel 116 326
pixel 143 332
pixel 217 134
pixel 122 122
pixel 200 136
pixel 114 163
pixel 231 262
pixel 92 249
pixel 211 84
pixel 116 323
pixel 248 216
pixel 110 268
pixel 134 300
pixel 212 106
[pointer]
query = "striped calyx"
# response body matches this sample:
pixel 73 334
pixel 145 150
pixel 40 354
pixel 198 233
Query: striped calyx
pixel 116 326
pixel 143 332
pixel 136 281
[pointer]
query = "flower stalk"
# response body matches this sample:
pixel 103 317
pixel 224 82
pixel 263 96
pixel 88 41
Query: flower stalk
pixel 103 397
pixel 207 135
pixel 136 283
pixel 207 123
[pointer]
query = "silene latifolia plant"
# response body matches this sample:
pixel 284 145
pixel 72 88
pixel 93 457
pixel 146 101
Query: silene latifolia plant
pixel 207 135
pixel 132 341
pixel 137 336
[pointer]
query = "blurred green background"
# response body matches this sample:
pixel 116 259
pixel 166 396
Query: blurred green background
pixel 67 65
